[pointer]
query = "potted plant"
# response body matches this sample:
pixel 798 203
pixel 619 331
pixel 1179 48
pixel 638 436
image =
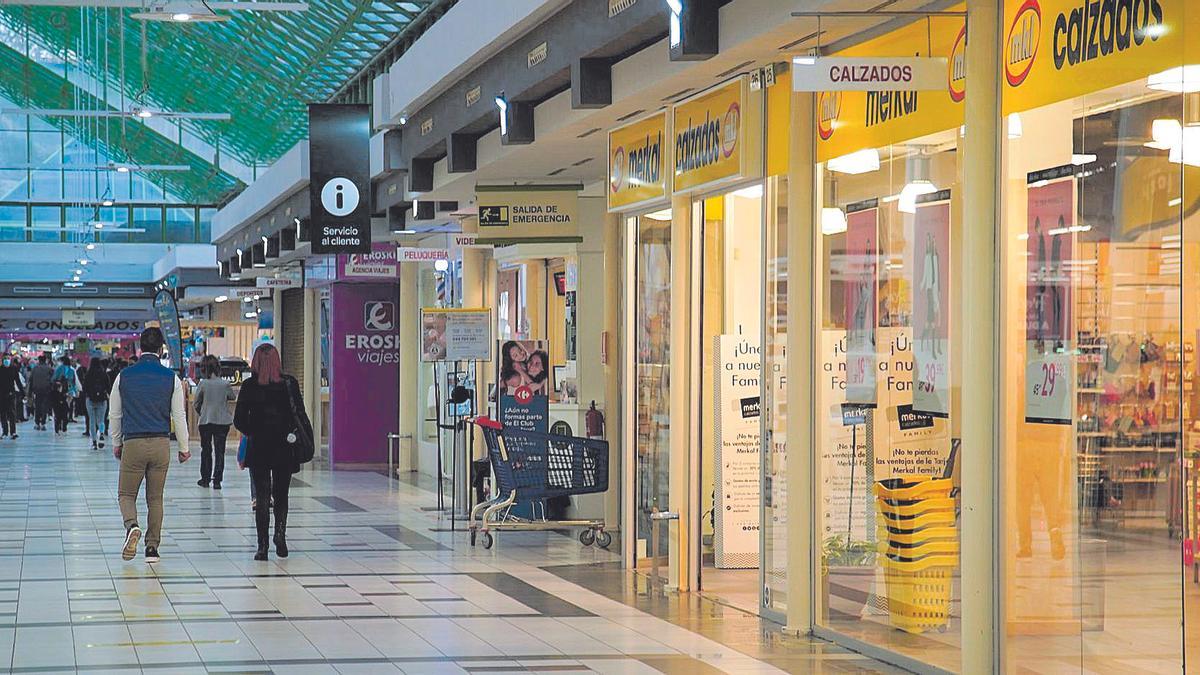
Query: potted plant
pixel 847 568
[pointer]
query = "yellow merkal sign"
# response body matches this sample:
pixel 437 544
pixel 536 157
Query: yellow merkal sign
pixel 1056 50
pixel 710 136
pixel 848 121
pixel 637 163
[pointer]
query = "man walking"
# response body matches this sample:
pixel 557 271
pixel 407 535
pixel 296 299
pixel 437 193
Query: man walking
pixel 40 385
pixel 146 401
pixel 10 387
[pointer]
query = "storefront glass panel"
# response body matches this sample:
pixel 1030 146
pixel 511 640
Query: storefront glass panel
pixel 887 401
pixel 652 358
pixel 774 409
pixel 1099 233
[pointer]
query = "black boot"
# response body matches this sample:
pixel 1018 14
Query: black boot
pixel 281 532
pixel 260 524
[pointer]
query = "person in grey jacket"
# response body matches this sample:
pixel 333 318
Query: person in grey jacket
pixel 211 402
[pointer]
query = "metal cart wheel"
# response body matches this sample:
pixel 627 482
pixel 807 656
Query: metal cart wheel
pixel 487 540
pixel 587 537
pixel 603 539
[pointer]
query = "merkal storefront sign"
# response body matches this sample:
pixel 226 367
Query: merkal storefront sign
pixel 340 177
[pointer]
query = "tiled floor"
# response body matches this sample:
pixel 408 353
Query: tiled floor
pixel 370 587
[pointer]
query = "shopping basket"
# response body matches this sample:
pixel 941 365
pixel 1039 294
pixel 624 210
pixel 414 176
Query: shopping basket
pixel 532 466
pixel 919 590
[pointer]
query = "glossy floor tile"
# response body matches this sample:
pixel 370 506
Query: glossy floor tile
pixel 374 584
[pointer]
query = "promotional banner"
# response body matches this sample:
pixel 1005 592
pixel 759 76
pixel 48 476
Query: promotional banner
pixel 637 163
pixel 456 334
pixel 339 160
pixel 524 382
pixel 931 304
pixel 167 313
pixel 848 121
pixel 861 300
pixel 843 447
pixel 511 212
pixel 907 441
pixel 713 138
pixel 1049 366
pixel 380 263
pixel 736 376
pixel 364 342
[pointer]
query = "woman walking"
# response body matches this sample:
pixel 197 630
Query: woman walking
pixel 271 413
pixel 96 388
pixel 211 402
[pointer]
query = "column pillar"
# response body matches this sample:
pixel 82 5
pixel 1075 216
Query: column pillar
pixel 802 324
pixel 980 291
pixel 312 363
pixel 682 337
pixel 412 407
pixel 611 346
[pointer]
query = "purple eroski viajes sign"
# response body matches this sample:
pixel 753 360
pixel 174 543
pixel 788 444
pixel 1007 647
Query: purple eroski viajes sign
pixel 365 379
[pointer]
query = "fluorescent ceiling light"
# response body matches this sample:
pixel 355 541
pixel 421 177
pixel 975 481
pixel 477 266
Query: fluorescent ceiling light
pixel 1187 150
pixel 662 216
pixel 1081 159
pixel 1015 129
pixel 502 104
pixel 833 220
pixel 805 60
pixel 221 298
pixel 862 161
pixel 751 192
pixel 135 112
pixel 1166 134
pixel 908 196
pixel 1178 80
pixel 404 231
pixel 90 247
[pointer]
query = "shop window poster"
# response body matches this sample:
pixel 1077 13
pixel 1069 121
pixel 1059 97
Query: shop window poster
pixel 931 305
pixel 523 384
pixel 861 295
pixel 737 369
pixel 1049 377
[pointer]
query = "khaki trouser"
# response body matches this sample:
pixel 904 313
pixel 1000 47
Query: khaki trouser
pixel 144 458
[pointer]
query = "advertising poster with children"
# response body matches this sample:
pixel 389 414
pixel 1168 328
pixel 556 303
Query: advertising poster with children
pixel 523 384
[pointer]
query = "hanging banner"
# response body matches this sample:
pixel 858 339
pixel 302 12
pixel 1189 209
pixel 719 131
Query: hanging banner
pixel 736 478
pixel 524 382
pixel 418 254
pixel 363 330
pixel 717 137
pixel 637 163
pixel 339 188
pixel 167 313
pixel 931 304
pixel 456 334
pixel 1049 365
pixel 547 212
pixel 840 73
pixel 861 302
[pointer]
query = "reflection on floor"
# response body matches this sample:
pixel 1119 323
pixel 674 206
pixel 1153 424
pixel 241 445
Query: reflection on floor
pixel 736 588
pixel 368 588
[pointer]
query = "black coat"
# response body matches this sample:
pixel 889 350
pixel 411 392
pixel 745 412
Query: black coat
pixel 264 414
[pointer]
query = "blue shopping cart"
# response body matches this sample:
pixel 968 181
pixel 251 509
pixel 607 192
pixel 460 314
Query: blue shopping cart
pixel 531 466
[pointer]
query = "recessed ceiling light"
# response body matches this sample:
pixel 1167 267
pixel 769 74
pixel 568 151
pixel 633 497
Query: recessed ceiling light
pixel 181 17
pixel 91 247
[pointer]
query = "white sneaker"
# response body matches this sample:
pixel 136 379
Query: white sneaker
pixel 132 537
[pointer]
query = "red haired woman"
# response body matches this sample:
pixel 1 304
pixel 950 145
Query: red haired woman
pixel 269 410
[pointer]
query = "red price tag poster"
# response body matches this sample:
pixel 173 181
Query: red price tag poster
pixel 861 288
pixel 1049 365
pixel 931 306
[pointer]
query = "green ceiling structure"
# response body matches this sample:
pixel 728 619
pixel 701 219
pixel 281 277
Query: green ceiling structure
pixel 262 68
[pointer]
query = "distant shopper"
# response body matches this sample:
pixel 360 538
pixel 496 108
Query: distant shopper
pixel 80 401
pixel 96 388
pixel 270 411
pixel 146 401
pixel 40 389
pixel 211 402
pixel 10 388
pixel 64 386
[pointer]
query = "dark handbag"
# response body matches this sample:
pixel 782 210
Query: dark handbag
pixel 300 439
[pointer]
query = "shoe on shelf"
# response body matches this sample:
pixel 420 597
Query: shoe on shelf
pixel 152 554
pixel 132 536
pixel 202 483
pixel 216 485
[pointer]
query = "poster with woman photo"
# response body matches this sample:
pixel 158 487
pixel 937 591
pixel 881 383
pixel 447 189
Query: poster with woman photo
pixel 931 305
pixel 523 384
pixel 861 296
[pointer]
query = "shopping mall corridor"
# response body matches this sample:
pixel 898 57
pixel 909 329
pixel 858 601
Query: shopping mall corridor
pixel 369 587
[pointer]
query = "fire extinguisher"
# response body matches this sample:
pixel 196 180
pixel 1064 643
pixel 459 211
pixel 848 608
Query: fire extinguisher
pixel 594 421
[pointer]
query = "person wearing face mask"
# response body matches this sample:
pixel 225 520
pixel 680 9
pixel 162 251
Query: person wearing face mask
pixel 10 386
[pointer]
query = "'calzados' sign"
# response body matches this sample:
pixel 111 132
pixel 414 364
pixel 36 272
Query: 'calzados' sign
pixel 711 143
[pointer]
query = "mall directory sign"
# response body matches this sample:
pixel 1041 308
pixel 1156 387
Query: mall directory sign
pixel 339 188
